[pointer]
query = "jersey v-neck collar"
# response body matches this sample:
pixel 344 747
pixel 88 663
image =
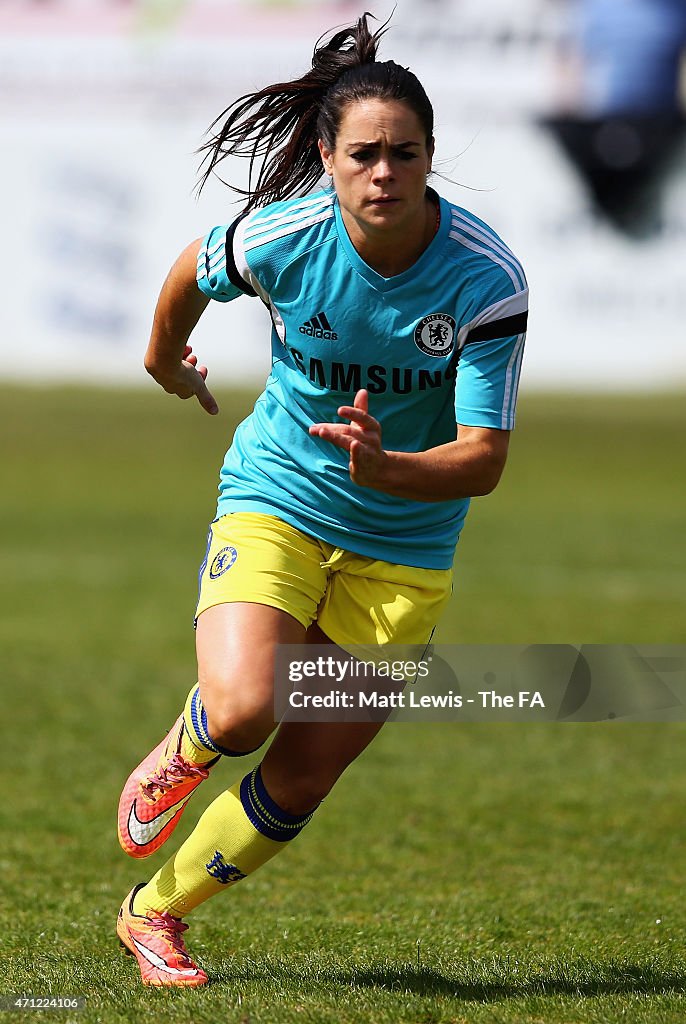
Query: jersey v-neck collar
pixel 386 284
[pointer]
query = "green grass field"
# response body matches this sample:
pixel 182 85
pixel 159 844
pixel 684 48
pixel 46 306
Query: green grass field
pixel 458 873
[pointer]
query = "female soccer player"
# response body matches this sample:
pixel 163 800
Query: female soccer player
pixel 398 324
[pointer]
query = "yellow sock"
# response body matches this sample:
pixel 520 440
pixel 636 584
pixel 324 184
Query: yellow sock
pixel 241 830
pixel 197 746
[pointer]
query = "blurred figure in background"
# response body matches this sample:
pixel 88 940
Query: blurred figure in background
pixel 631 55
pixel 621 120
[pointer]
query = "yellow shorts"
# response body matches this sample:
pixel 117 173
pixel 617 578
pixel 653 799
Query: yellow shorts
pixel 354 599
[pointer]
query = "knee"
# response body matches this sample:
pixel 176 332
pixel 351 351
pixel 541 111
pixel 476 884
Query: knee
pixel 240 724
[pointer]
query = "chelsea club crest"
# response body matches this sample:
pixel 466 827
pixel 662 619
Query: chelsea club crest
pixel 222 562
pixel 435 334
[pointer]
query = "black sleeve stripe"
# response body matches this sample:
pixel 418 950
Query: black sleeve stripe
pixel 507 327
pixel 231 268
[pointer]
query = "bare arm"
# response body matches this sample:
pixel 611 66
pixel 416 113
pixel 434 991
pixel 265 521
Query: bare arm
pixel 169 357
pixel 469 466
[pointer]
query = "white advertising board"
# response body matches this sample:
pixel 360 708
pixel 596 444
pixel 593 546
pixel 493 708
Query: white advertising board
pixel 100 114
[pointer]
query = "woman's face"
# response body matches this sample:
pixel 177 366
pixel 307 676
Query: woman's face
pixel 379 166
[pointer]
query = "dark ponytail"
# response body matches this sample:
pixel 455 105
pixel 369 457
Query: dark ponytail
pixel 280 125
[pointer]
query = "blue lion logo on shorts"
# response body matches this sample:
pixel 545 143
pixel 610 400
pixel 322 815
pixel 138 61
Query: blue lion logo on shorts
pixel 222 562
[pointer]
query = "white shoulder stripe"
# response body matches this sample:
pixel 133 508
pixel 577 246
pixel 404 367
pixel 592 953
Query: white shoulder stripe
pixel 461 220
pixel 479 234
pixel 494 256
pixel 513 371
pixel 299 212
pixel 208 258
pixel 511 305
pixel 215 248
pixel 288 229
pixel 264 214
pixel 498 253
pixel 217 258
pixel 218 267
pixel 254 234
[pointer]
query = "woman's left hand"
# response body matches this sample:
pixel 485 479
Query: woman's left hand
pixel 361 438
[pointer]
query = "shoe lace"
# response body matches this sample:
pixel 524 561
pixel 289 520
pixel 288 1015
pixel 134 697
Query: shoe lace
pixel 170 775
pixel 173 928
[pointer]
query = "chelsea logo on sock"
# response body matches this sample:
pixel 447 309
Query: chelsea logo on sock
pixel 222 562
pixel 223 872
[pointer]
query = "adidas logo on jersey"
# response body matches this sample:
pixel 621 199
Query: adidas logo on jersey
pixel 319 327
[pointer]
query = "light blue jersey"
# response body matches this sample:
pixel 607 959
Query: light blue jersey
pixel 438 344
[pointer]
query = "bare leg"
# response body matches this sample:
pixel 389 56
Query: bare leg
pixel 236 648
pixel 306 759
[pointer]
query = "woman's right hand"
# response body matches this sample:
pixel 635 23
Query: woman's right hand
pixel 169 359
pixel 187 380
